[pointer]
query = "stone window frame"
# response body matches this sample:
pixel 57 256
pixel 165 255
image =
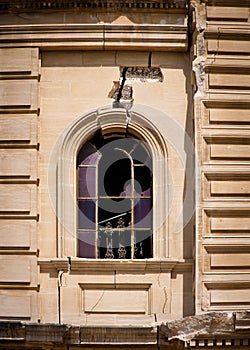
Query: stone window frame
pixel 116 121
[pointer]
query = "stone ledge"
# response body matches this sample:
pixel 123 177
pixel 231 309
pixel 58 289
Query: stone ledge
pixel 83 265
pixel 232 31
pixel 20 332
pixel 210 329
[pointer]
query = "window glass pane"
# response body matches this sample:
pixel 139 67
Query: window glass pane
pixel 86 214
pixel 128 190
pixel 86 244
pixel 115 194
pixel 140 153
pixel 113 175
pixel 142 213
pixel 103 239
pixel 143 181
pixel 88 155
pixel 114 244
pixel 110 210
pixel 143 244
pixel 87 182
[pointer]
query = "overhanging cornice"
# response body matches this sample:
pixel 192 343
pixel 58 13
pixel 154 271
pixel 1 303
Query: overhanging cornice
pixel 96 36
pixel 30 5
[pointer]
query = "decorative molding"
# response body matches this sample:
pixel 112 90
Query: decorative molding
pixel 236 65
pixel 97 265
pixel 164 37
pixel 220 343
pixel 146 265
pixel 222 30
pixel 117 298
pixel 117 121
pixel 28 5
pixel 228 211
pixel 118 335
pixel 60 264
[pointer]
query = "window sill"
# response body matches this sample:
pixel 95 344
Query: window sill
pixel 87 265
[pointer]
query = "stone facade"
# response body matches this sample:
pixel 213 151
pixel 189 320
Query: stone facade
pixel 175 74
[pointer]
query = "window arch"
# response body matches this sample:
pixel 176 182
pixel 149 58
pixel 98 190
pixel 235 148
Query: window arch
pixel 109 123
pixel 114 199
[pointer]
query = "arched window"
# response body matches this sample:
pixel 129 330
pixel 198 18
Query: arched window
pixel 114 199
pixel 120 151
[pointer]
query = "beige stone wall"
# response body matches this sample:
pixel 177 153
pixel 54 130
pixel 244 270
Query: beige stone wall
pixel 56 72
pixel 72 84
pixel 222 145
pixel 19 192
pixel 73 88
pixel 42 95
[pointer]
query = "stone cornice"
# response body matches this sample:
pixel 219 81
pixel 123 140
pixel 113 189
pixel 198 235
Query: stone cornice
pixel 209 329
pixel 30 5
pixel 60 264
pixel 96 36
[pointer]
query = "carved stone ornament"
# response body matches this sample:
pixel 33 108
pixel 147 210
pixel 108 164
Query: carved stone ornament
pixel 143 74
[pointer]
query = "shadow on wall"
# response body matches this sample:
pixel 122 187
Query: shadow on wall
pixel 189 193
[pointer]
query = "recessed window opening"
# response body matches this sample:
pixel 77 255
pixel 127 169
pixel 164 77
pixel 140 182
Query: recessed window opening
pixel 115 199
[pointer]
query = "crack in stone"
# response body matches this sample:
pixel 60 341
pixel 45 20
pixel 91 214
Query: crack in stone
pixel 122 85
pixel 122 90
pixel 98 301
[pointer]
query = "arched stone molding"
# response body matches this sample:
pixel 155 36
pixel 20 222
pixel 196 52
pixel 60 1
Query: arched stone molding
pixel 115 121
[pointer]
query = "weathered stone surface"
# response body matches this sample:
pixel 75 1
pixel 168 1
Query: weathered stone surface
pixel 45 332
pixel 123 90
pixel 208 324
pixel 11 330
pixel 212 327
pixel 242 320
pixel 199 70
pixel 75 335
pixel 123 335
pixel 144 74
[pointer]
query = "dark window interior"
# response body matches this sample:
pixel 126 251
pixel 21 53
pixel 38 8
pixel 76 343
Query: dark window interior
pixel 114 199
